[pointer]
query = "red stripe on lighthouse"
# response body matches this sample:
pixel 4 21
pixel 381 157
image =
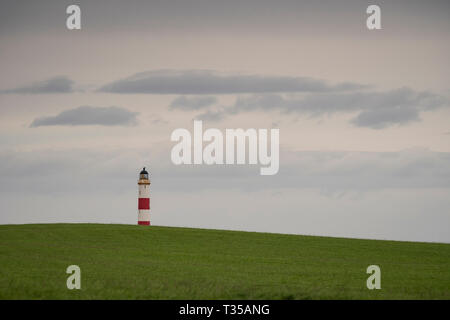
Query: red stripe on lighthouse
pixel 144 223
pixel 144 204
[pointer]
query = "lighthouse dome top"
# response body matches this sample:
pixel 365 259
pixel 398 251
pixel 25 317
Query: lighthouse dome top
pixel 143 177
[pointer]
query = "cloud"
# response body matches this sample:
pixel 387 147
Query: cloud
pixel 211 82
pixel 86 115
pixel 60 84
pixel 211 115
pixel 386 117
pixel 192 103
pixel 115 170
pixel 329 172
pixel 375 109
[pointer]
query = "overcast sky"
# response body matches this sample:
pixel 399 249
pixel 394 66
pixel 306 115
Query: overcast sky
pixel 363 115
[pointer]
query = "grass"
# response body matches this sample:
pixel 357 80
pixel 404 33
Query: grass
pixel 138 262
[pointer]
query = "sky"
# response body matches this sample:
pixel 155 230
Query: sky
pixel 363 114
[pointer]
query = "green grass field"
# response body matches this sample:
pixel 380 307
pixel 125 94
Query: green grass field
pixel 138 262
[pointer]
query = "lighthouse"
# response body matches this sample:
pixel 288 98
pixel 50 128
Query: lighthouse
pixel 144 198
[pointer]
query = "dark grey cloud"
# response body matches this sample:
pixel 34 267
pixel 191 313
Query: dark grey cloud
pixel 211 82
pixel 211 115
pixel 192 103
pixel 375 109
pixel 386 117
pixel 59 84
pixel 86 115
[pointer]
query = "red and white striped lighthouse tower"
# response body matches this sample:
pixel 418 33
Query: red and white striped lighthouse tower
pixel 144 198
